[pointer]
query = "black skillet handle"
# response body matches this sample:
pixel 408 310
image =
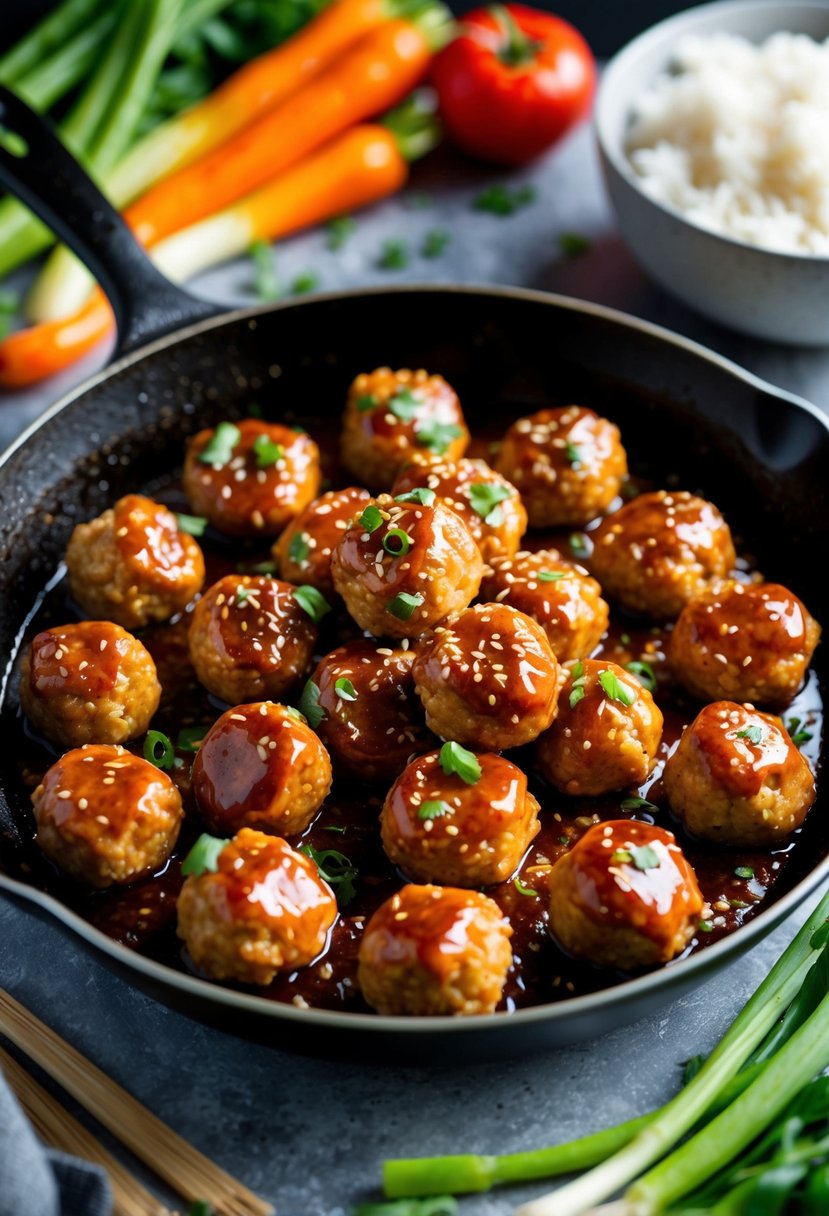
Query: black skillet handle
pixel 48 179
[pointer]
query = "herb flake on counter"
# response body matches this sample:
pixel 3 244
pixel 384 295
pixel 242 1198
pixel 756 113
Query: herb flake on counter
pixel 420 494
pixel 203 858
pixel 266 284
pixel 573 244
pixel 336 869
pixel 403 605
pixel 304 283
pixel 503 200
pixel 309 705
pixel 435 242
pixel 312 601
pixel 298 549
pixel 193 525
pixel 433 809
pixel 643 672
pixel 614 689
pixel 485 499
pixel 394 255
pixel 345 689
pixel 267 452
pixel 218 451
pixel 159 750
pixel 338 231
pixel 457 760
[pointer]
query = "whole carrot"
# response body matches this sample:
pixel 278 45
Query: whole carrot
pixel 376 74
pixel 360 166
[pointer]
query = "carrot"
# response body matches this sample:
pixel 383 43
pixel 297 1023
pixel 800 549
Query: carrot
pixel 376 74
pixel 360 166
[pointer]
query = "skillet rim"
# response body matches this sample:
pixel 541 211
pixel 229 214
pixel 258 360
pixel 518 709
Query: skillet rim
pixel 591 1003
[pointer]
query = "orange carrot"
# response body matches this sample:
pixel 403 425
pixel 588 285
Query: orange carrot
pixel 376 74
pixel 358 167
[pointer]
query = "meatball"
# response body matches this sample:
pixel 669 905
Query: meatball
pixel 489 678
pixel 624 896
pixel 435 950
pixel 105 816
pixel 489 506
pixel 251 478
pixel 88 682
pixel 133 565
pixel 303 551
pixel 264 909
pixel 567 465
pixel 250 638
pixel 607 732
pixel 390 416
pixel 402 567
pixel 437 827
pixel 744 642
pixel 737 778
pixel 661 550
pixel 561 596
pixel 260 766
pixel 372 721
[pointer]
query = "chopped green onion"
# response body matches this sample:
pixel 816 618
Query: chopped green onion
pixel 440 1205
pixel 615 689
pixel 203 858
pixel 754 734
pixel 333 827
pixel 396 542
pixel 744 872
pixel 193 525
pixel 621 856
pixel 313 602
pixel 464 764
pixel 437 435
pixel 371 518
pixel 576 695
pixel 266 283
pixel 267 452
pixel 645 858
pixel 405 404
pixel 485 497
pixel 522 889
pixel 345 689
pixel 241 595
pixel 551 576
pixel 219 449
pixel 394 255
pixel 419 494
pixel 158 749
pixel 339 230
pixel 434 243
pixel 298 549
pixel 798 736
pixel 634 803
pixel 309 705
pixel 366 402
pixel 256 568
pixel 336 869
pixel 403 605
pixel 433 809
pixel 578 679
pixel 643 672
pixel 190 738
pixel 574 244
pixel 705 926
pixel 578 545
pixel 573 454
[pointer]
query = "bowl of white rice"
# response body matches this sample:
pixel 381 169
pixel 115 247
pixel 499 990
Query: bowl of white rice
pixel 713 128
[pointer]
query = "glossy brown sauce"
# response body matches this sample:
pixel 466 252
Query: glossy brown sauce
pixel 143 915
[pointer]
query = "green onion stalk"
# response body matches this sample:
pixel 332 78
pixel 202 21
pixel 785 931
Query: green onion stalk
pixel 48 35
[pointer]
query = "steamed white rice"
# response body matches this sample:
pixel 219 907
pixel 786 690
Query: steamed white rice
pixel 736 136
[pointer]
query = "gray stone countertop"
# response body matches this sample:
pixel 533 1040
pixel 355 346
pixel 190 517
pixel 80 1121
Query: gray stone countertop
pixel 310 1135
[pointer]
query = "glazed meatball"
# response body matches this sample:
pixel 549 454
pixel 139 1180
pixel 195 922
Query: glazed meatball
pixel 561 596
pixel 390 416
pixel 105 816
pixel 490 507
pixel 88 682
pixel 567 465
pixel 661 550
pixel 435 950
pixel 372 721
pixel 607 732
pixel 260 766
pixel 251 478
pixel 264 909
pixel 250 638
pixel 489 678
pixel 402 567
pixel 743 642
pixel 438 828
pixel 624 896
pixel 737 778
pixel 133 565
pixel 303 551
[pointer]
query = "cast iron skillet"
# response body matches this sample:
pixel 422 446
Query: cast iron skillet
pixel 760 454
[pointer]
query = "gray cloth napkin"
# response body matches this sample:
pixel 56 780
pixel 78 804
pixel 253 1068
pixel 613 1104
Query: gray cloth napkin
pixel 35 1181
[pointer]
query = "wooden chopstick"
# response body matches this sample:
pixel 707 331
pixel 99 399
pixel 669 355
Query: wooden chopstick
pixel 182 1167
pixel 58 1128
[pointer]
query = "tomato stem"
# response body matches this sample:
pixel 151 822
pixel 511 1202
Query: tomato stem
pixel 517 48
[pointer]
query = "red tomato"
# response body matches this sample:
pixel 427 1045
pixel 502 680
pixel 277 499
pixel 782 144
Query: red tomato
pixel 512 82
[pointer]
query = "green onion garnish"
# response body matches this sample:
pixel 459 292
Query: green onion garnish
pixel 298 549
pixel 522 889
pixel 404 404
pixel 615 689
pixel 635 803
pixel 218 451
pixel 371 518
pixel 190 738
pixel 267 452
pixel 419 494
pixel 643 672
pixel 573 454
pixel 309 705
pixel 464 764
pixel 365 403
pixel 437 435
pixel 754 734
pixel 203 858
pixel 744 872
pixel 336 869
pixel 396 542
pixel 313 602
pixel 551 576
pixel 403 605
pixel 193 525
pixel 485 497
pixel 158 749
pixel 433 809
pixel 345 689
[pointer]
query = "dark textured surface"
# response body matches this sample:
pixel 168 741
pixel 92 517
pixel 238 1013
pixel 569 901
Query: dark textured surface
pixel 310 1135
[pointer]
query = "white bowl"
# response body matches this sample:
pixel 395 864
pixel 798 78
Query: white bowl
pixel 781 296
